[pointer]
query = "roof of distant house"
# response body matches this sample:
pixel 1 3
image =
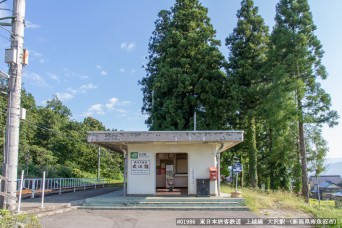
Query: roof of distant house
pixel 335 179
pixel 337 194
pixel 328 184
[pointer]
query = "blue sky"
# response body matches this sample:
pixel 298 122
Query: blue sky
pixel 90 53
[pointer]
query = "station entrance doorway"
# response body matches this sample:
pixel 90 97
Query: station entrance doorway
pixel 171 174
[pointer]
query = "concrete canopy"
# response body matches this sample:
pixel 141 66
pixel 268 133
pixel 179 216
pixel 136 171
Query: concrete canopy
pixel 118 140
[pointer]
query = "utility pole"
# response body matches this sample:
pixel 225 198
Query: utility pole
pixel 16 57
pixel 98 164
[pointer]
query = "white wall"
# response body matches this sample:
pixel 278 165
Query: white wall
pixel 200 158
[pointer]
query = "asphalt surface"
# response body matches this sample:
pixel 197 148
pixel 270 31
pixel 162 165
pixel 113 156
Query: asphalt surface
pixel 78 218
pixel 134 218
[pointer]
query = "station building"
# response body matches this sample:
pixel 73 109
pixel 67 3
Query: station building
pixel 169 161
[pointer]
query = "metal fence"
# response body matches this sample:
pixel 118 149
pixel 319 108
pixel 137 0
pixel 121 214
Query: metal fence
pixel 60 183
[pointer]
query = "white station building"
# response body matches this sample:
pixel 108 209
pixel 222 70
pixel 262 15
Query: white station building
pixel 158 160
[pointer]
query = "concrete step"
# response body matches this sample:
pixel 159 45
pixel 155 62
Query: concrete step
pixel 171 208
pixel 53 212
pixel 48 209
pixel 162 199
pixel 165 203
pixel 188 203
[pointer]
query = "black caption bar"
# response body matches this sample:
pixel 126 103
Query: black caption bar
pixel 256 221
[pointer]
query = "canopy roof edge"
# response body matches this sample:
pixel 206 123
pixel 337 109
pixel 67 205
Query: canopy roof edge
pixel 119 140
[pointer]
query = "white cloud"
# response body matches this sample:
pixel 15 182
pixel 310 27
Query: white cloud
pixel 53 77
pixel 97 108
pixel 102 71
pixel 35 80
pixel 30 25
pixel 34 55
pixel 127 46
pixel 110 105
pixel 72 74
pixel 87 87
pixel 73 92
pixel 122 70
pixel 124 103
pixel 112 102
pixel 65 96
pixel 94 109
pixel 68 72
pixel 122 111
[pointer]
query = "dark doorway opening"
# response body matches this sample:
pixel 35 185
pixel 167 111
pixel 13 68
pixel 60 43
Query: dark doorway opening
pixel 171 174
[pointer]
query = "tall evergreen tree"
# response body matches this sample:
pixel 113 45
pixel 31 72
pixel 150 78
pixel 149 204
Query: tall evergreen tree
pixel 184 71
pixel 297 54
pixel 248 45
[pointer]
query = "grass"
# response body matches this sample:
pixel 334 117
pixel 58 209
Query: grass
pixel 260 201
pixel 324 203
pixel 7 220
pixel 116 183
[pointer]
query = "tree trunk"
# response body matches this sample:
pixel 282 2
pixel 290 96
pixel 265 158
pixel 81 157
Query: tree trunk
pixel 297 173
pixel 305 189
pixel 242 173
pixel 252 152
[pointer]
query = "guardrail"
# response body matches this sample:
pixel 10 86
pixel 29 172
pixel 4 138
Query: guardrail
pixel 59 184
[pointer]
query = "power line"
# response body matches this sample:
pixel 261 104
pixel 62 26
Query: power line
pixel 5 37
pixel 46 128
pixel 4 28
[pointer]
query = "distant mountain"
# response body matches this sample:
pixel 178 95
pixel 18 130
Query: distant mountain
pixel 333 169
pixel 333 160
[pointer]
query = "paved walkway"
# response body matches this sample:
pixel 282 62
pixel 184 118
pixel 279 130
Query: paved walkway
pixel 65 198
pixel 134 218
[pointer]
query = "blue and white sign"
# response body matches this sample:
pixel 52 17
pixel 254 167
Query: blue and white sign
pixel 237 168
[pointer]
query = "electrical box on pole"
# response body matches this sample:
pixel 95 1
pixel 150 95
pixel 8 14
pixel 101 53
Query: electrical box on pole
pixel 25 56
pixel 10 56
pixel 23 114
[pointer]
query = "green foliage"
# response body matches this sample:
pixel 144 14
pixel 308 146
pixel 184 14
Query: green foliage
pixel 3 111
pixel 271 90
pixel 22 220
pixel 296 63
pixel 274 95
pixel 184 71
pixel 248 45
pixel 50 141
pixel 316 148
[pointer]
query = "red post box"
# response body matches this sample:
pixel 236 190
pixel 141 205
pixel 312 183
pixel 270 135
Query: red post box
pixel 213 173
